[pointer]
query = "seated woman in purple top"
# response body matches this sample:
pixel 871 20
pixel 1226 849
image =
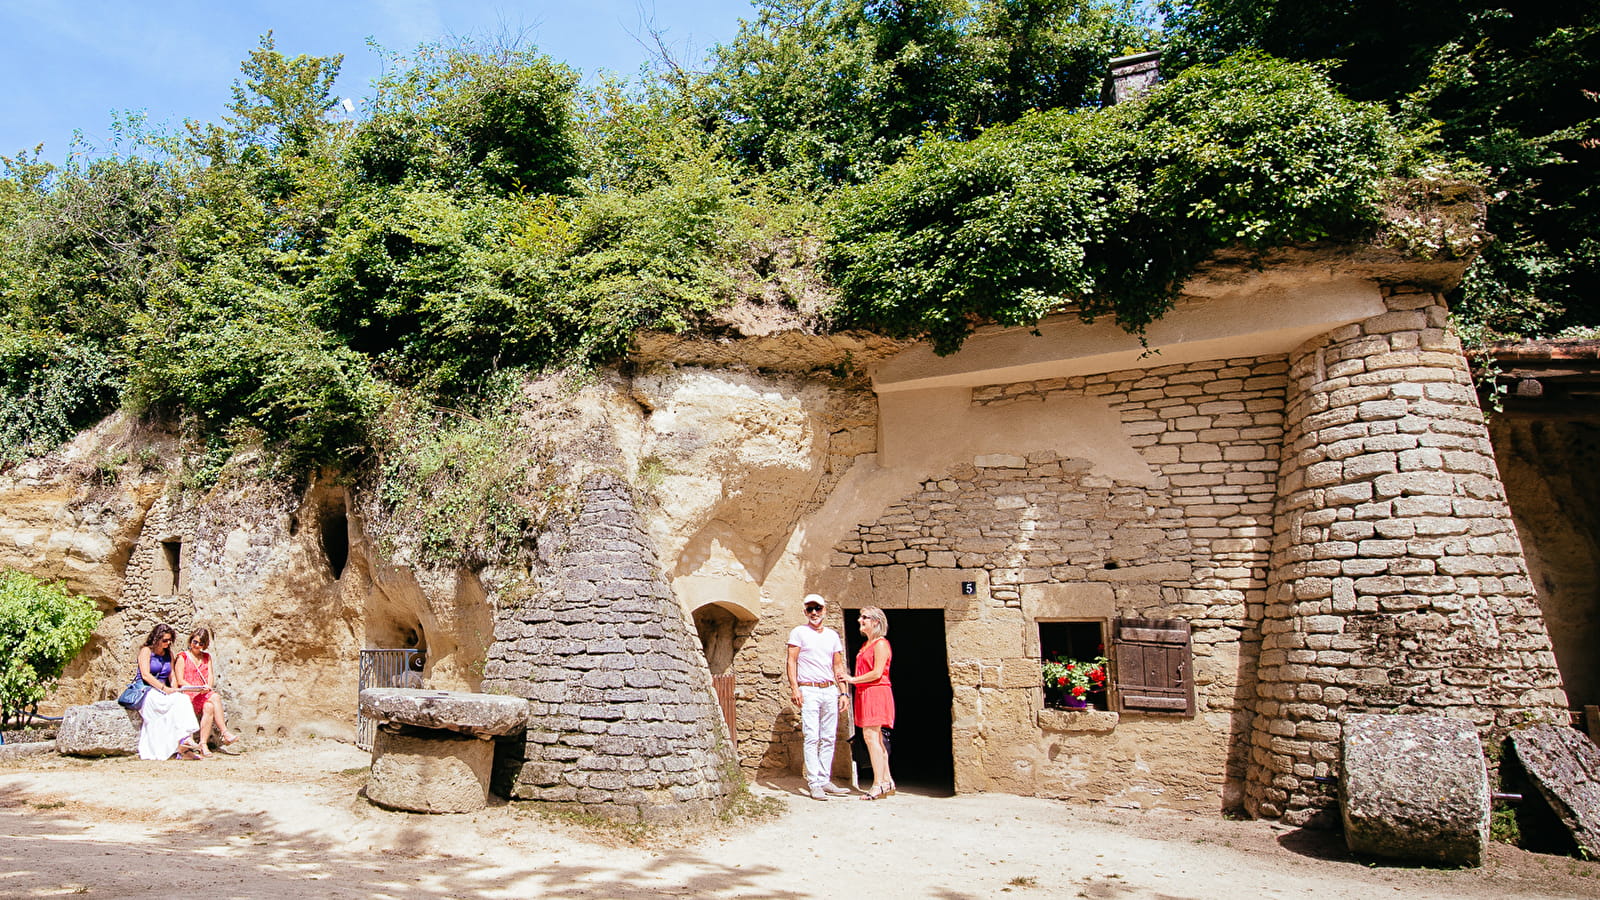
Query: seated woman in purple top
pixel 169 722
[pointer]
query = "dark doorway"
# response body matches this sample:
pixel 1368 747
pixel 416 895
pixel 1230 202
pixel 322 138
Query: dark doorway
pixel 921 755
pixel 336 539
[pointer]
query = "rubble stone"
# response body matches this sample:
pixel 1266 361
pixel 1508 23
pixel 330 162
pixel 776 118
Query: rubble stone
pixel 1414 788
pixel 440 772
pixel 99 729
pixel 485 715
pixel 1566 767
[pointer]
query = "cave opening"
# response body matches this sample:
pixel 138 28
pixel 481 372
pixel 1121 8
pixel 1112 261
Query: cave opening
pixel 336 540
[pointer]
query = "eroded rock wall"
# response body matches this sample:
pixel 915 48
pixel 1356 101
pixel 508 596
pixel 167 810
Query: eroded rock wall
pixel 1551 471
pixel 286 579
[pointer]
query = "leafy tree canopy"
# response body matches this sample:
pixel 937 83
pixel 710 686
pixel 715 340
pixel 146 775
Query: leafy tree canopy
pixel 1512 88
pixel 1110 209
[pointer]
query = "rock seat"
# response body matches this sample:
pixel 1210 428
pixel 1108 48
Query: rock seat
pixel 99 729
pixel 433 751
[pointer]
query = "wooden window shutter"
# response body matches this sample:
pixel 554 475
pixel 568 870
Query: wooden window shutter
pixel 1154 665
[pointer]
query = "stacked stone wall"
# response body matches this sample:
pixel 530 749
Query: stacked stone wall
pixel 1192 541
pixel 1398 582
pixel 144 605
pixel 622 718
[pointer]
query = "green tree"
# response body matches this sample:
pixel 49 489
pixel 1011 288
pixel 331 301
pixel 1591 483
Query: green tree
pixel 42 626
pixel 1512 90
pixel 1109 210
pixel 829 92
pixel 464 118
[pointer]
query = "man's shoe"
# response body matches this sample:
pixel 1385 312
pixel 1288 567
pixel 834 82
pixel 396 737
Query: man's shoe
pixel 819 794
pixel 835 790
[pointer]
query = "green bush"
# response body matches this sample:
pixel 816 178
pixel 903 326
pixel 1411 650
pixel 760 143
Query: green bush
pixel 242 359
pixel 42 627
pixel 1109 209
pixel 464 489
pixel 50 388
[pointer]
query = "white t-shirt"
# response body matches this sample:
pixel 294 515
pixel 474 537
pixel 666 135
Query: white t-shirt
pixel 816 652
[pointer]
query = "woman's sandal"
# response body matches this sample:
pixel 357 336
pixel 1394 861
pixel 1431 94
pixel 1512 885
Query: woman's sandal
pixel 874 794
pixel 229 740
pixel 889 790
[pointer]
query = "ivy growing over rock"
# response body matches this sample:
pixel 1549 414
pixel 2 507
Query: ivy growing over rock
pixel 1108 210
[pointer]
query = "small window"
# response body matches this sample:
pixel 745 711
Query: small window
pixel 166 576
pixel 1080 643
pixel 1154 666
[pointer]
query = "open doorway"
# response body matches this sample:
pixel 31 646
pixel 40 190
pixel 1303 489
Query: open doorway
pixel 920 748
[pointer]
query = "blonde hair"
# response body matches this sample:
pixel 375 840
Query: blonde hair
pixel 876 615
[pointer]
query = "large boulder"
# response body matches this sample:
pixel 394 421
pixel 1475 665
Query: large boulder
pixel 1414 788
pixel 432 772
pixel 99 729
pixel 481 715
pixel 1566 767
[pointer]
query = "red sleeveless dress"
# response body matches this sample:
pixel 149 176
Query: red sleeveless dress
pixel 196 671
pixel 874 699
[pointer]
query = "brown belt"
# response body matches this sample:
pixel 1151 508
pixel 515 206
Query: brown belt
pixel 815 683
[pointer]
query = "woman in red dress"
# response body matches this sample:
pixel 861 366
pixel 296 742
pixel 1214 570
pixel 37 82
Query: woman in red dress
pixel 193 669
pixel 874 697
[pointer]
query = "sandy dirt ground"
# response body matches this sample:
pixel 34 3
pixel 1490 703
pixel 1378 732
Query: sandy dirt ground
pixel 288 821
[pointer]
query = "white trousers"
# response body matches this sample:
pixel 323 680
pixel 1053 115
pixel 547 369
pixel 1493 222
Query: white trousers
pixel 819 719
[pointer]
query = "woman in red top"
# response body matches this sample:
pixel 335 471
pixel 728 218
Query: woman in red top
pixel 193 668
pixel 874 697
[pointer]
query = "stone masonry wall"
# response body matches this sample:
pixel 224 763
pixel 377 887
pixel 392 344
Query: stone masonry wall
pixel 622 717
pixel 145 604
pixel 1193 543
pixel 1398 583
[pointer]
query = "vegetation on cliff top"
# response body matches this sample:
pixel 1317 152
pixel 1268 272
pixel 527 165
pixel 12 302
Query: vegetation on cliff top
pixel 286 275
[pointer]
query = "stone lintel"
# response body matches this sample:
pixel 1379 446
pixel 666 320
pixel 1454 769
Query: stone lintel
pixel 1252 320
pixel 484 715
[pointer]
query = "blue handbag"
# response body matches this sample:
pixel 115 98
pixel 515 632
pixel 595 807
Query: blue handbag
pixel 133 695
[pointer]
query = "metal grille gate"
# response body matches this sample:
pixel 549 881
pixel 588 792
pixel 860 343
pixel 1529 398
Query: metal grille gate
pixel 379 668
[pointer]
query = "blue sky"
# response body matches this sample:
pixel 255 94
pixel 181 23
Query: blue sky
pixel 69 65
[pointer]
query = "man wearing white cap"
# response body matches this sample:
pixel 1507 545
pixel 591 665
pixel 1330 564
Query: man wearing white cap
pixel 816 686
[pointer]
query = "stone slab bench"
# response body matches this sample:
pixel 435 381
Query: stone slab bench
pixel 1565 765
pixel 1414 788
pixel 434 750
pixel 99 729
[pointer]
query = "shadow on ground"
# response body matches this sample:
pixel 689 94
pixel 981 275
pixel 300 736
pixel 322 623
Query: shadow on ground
pixel 45 852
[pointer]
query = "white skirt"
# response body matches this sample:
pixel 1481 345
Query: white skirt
pixel 168 719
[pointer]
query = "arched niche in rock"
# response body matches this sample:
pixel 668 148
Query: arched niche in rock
pixel 723 626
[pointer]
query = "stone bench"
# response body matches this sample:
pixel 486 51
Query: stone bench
pixel 99 729
pixel 434 750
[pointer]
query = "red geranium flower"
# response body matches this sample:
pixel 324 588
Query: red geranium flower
pixel 1078 692
pixel 1062 681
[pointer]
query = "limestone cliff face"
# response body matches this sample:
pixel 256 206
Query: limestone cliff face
pixel 295 582
pixel 287 580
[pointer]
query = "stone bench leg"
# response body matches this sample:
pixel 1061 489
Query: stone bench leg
pixel 430 771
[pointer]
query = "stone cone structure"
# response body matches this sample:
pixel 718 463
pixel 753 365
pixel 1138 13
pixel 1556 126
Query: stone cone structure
pixel 1398 582
pixel 622 719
